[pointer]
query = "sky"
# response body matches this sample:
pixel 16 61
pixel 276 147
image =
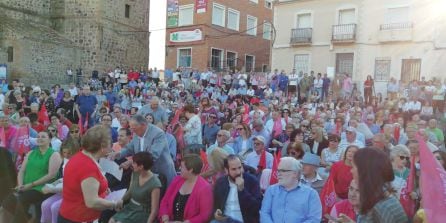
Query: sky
pixel 157 28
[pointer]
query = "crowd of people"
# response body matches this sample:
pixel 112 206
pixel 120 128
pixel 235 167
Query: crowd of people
pixel 219 147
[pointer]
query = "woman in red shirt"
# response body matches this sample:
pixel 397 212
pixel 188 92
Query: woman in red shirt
pixel 341 173
pixel 368 90
pixel 84 186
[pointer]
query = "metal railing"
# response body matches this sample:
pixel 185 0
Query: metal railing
pixel 301 35
pixel 392 26
pixel 344 32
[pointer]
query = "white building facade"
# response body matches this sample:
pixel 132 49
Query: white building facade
pixel 403 39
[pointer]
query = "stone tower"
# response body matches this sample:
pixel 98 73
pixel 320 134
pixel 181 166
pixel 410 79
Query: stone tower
pixel 45 37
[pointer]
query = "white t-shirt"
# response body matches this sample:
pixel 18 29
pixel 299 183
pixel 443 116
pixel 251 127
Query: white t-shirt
pixel 232 206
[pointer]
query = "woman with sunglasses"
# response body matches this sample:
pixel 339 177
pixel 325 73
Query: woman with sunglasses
pixel 332 153
pixel 54 139
pixel 243 143
pixel 400 157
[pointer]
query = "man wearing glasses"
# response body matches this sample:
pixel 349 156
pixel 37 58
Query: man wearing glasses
pixel 289 200
pixel 210 129
pixel 259 156
pixel 222 139
pixel 106 120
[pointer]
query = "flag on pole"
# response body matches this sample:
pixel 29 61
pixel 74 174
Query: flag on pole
pixel 433 184
pixel 273 179
pixel 328 196
pixel 405 199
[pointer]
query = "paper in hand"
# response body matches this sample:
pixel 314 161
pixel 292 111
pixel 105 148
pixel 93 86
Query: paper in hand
pixel 111 167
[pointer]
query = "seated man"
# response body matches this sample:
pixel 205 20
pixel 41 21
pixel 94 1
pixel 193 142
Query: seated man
pixel 237 196
pixel 259 159
pixel 310 176
pixel 289 200
pixel 222 142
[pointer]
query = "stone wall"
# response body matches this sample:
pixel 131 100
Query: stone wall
pixel 50 35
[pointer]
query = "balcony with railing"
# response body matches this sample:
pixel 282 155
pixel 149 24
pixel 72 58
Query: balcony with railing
pixel 301 36
pixel 395 32
pixel 345 33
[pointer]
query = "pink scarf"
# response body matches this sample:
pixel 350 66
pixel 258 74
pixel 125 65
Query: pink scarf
pixel 277 128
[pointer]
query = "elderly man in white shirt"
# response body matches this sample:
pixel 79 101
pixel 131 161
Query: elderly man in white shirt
pixel 253 159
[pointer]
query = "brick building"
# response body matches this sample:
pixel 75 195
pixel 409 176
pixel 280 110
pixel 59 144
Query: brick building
pixel 40 39
pixel 221 34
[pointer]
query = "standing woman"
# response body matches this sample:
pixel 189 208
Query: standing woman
pixel 192 129
pixel 47 101
pixel 39 167
pixel 189 196
pixel 373 171
pixel 341 172
pixel 84 187
pixel 67 103
pixel 368 90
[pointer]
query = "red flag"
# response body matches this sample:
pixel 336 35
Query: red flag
pixel 273 179
pixel 43 116
pixel 433 184
pixel 2 137
pixel 396 134
pixel 204 158
pixel 405 200
pixel 86 123
pixel 262 162
pixel 328 196
pixel 81 126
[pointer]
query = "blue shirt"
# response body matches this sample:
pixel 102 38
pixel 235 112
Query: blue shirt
pixel 299 205
pixel 172 143
pixel 210 133
pixel 87 104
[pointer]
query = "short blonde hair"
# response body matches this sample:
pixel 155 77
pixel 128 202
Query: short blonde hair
pixel 96 138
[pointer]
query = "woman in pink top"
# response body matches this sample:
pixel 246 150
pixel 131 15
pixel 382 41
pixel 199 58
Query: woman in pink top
pixel 189 196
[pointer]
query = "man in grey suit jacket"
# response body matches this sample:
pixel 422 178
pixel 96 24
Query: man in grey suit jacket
pixel 151 139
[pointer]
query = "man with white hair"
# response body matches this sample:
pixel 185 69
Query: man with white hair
pixel 222 139
pixel 158 112
pixel 289 200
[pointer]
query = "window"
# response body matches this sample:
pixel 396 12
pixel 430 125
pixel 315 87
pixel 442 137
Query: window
pixel 127 11
pixel 184 57
pixel 231 60
pixel 344 63
pixel 269 4
pixel 249 63
pixel 251 25
pixel 233 19
pixel 267 30
pixel 216 59
pixel 301 63
pixel 382 69
pixel 254 1
pixel 186 15
pixel 397 15
pixel 10 52
pixel 347 16
pixel 218 15
pixel 304 20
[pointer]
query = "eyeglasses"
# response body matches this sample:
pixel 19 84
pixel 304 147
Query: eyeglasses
pixel 333 141
pixel 293 153
pixel 304 126
pixel 257 143
pixel 74 131
pixel 404 158
pixel 52 130
pixel 106 119
pixel 283 171
pixel 438 158
pixel 240 129
pixel 220 135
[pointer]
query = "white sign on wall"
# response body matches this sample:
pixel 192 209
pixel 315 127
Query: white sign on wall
pixel 186 36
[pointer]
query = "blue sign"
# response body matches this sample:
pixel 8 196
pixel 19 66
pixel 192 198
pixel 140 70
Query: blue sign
pixel 3 71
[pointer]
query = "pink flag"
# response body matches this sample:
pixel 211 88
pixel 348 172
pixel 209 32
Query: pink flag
pixel 433 185
pixel 2 137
